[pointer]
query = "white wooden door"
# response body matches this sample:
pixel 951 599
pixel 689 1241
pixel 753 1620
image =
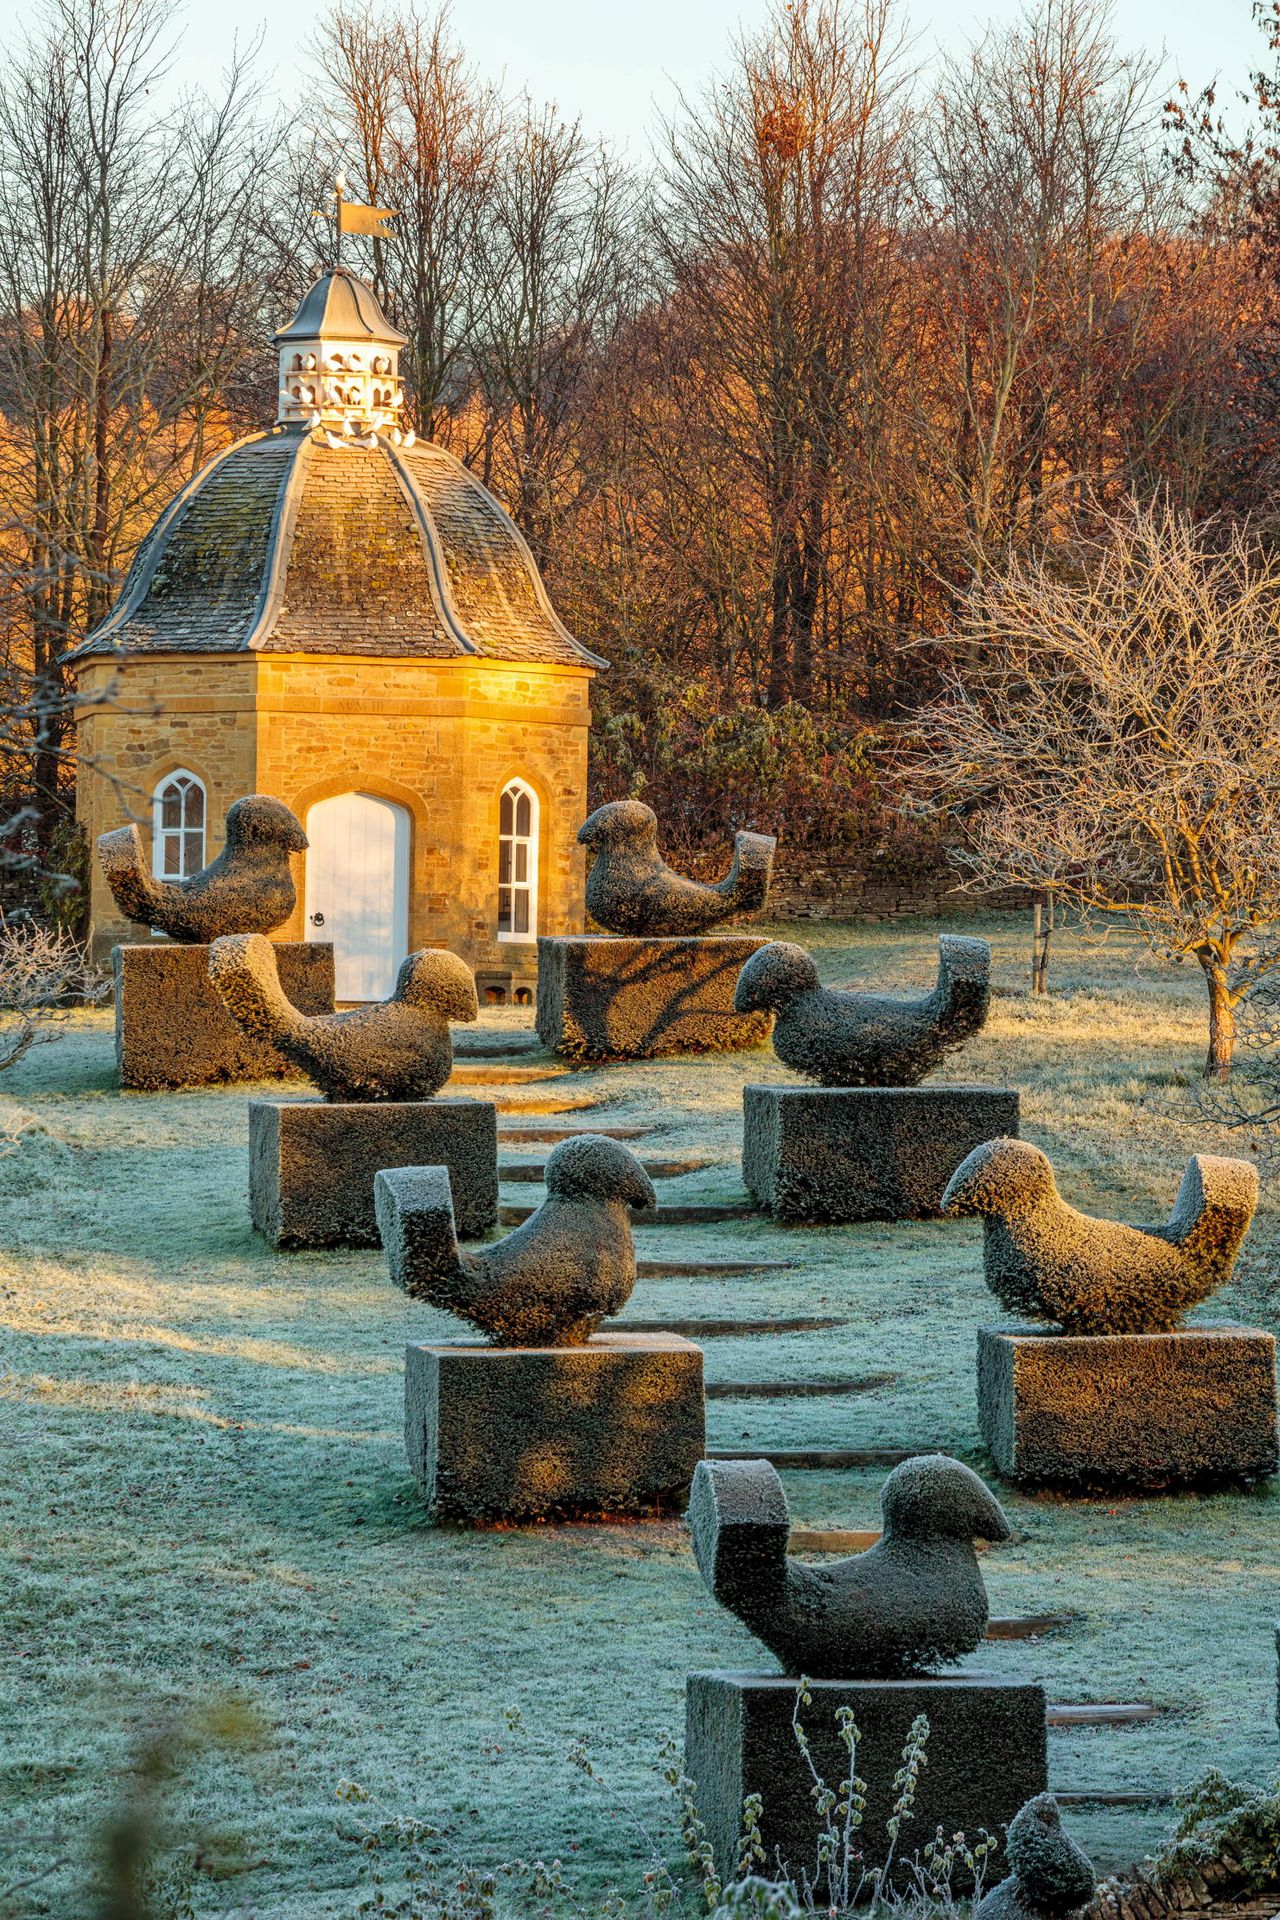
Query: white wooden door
pixel 358 890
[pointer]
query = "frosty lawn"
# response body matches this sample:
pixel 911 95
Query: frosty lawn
pixel 205 1488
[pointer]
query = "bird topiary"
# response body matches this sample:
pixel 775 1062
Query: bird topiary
pixel 912 1602
pixel 399 1049
pixel 1049 1877
pixel 632 890
pixel 549 1283
pixel 1042 1257
pixel 843 1039
pixel 247 889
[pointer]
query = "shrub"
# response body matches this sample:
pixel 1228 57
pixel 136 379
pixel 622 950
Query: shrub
pixel 814 781
pixel 44 973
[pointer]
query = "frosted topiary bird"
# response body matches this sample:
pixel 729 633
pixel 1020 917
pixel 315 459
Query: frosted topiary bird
pixel 247 889
pixel 549 1283
pixel 1042 1257
pixel 399 1049
pixel 912 1602
pixel 631 889
pixel 1049 1878
pixel 845 1039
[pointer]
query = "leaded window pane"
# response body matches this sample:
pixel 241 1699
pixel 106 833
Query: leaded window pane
pixel 517 857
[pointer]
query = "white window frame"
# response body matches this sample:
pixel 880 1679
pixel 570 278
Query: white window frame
pixel 518 790
pixel 160 834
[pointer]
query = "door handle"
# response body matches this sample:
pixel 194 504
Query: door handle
pixel 317 919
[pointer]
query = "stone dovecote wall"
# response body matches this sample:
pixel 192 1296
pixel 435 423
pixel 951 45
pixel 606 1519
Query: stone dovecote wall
pixel 154 715
pixel 440 738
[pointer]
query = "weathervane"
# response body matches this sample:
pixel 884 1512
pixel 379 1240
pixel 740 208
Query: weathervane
pixel 340 355
pixel 352 216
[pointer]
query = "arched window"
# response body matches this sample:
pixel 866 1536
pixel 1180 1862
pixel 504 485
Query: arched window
pixel 177 826
pixel 518 863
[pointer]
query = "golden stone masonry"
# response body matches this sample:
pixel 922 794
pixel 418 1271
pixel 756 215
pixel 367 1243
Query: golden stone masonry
pixel 336 615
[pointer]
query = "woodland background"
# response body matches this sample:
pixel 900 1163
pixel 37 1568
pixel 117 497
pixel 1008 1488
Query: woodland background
pixel 765 405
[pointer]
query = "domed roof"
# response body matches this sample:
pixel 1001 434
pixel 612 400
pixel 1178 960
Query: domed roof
pixel 290 543
pixel 340 306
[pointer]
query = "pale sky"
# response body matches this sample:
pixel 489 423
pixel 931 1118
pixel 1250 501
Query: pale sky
pixel 619 64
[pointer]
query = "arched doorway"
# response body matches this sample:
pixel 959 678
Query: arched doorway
pixel 357 891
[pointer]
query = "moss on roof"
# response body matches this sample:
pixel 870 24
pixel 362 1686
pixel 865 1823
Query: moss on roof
pixel 285 543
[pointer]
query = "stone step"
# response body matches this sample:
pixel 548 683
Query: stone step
pixel 1028 1626
pixel 831 1539
pixel 1103 1714
pixel 495 1046
pixel 708 1269
pixel 795 1389
pixel 660 1216
pixel 1108 1797
pixel 482 1074
pixel 533 1172
pixel 725 1329
pixel 818 1459
pixel 541 1103
pixel 513 1136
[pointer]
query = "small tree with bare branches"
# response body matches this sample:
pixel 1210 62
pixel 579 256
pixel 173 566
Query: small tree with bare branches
pixel 44 973
pixel 1110 733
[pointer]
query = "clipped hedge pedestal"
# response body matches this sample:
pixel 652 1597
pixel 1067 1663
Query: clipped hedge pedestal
pixel 1138 1410
pixel 985 1756
pixel 173 1031
pixel 529 1433
pixel 312 1163
pixel 607 998
pixel 864 1153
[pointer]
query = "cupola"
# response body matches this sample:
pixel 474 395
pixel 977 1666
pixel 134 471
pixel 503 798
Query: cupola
pixel 340 362
pixel 334 532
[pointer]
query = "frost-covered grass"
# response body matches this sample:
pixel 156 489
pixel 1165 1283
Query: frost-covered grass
pixel 204 1488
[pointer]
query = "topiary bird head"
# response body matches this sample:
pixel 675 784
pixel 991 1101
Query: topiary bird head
pixel 621 823
pixel 773 977
pixel 593 1167
pixel 438 982
pixel 937 1498
pixel 258 820
pixel 1004 1177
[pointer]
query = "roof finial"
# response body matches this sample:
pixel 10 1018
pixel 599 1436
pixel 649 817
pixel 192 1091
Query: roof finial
pixel 339 194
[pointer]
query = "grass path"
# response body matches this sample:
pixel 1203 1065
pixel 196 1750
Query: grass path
pixel 204 1489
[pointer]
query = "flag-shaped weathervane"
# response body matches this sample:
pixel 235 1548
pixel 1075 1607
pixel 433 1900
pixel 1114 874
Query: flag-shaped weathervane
pixel 350 216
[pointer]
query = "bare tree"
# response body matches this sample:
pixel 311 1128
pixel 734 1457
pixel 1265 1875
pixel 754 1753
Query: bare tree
pixel 1044 199
pixel 1108 732
pixel 44 973
pixel 558 271
pixel 131 255
pixel 426 133
pixel 782 194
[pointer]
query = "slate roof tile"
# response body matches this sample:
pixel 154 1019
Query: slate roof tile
pixel 286 544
